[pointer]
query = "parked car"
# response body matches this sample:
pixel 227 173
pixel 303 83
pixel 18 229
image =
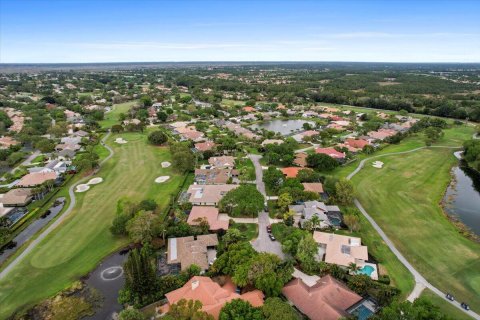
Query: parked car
pixel 465 306
pixel 269 229
pixel 450 297
pixel 272 237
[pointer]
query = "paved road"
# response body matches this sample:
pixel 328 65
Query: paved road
pixel 57 222
pixel 263 242
pixel 258 173
pixel 420 281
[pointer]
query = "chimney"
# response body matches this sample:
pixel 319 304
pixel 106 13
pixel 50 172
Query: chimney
pixel 195 284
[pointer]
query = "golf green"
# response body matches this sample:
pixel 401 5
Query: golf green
pixel 84 239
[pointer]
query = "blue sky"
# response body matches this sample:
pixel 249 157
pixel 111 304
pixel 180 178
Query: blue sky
pixel 122 31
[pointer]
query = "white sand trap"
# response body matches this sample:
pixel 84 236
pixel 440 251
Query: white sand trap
pixel 162 179
pixel 377 164
pixel 120 141
pixel 82 188
pixel 95 181
pixel 166 164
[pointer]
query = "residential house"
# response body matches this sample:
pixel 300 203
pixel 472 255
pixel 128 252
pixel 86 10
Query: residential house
pixel 341 250
pixel 316 187
pixel 271 141
pixel 210 214
pixel 208 195
pixel 204 146
pixel 214 176
pixel 291 172
pixel 6 142
pixel 212 296
pixel 19 197
pixel 36 179
pixel 328 215
pixel 223 162
pixel 331 152
pixel 328 299
pixel 198 250
pixel 300 159
pixel 354 145
pixel 381 134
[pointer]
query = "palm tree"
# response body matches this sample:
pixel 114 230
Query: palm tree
pixel 353 267
pixel 315 221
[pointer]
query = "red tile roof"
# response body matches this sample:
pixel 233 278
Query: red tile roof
pixel 356 143
pixel 291 172
pixel 331 152
pixel 211 295
pixel 326 300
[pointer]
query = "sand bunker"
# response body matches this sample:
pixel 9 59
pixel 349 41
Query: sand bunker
pixel 120 141
pixel 166 164
pixel 377 164
pixel 82 188
pixel 162 179
pixel 95 181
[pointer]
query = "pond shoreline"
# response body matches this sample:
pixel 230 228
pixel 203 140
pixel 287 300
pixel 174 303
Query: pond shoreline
pixel 450 194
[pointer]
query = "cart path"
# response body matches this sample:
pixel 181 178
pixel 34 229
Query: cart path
pixel 420 282
pixel 60 219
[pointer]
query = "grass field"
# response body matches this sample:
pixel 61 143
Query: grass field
pixel 83 239
pixel 403 198
pixel 111 118
pixel 250 230
pixel 445 308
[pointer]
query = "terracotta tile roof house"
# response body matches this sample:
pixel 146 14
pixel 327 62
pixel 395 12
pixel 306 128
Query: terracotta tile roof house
pixel 204 146
pixel 335 126
pixel 381 134
pixel 291 172
pixel 208 195
pixel 249 109
pixel 316 187
pixel 6 142
pixel 193 135
pixel 210 214
pixel 328 299
pixel 301 159
pixel 222 162
pixel 212 296
pixel 356 144
pixel 214 176
pixel 341 250
pixel 192 250
pixel 35 179
pixel 331 152
pixel 310 133
pixel 17 197
pixel 239 130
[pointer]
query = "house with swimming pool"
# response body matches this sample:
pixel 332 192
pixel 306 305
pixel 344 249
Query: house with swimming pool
pixel 343 251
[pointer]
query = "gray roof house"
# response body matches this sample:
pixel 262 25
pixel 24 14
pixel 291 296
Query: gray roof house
pixel 329 215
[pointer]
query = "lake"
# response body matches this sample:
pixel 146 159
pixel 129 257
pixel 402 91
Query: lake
pixel 462 198
pixel 284 127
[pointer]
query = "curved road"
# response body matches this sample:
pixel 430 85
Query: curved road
pixel 420 282
pixel 60 219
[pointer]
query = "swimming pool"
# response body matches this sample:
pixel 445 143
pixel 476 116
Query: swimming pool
pixel 361 312
pixel 368 270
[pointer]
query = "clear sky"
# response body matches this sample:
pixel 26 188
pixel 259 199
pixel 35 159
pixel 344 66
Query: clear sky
pixel 126 31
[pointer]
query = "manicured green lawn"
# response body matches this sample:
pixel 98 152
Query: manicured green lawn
pixel 250 230
pixel 111 118
pixel 403 198
pixel 445 307
pixel 83 239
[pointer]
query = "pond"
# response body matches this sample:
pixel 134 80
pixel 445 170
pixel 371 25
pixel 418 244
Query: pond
pixel 284 127
pixel 108 278
pixel 462 198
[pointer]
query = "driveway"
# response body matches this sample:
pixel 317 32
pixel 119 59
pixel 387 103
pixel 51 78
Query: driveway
pixel 258 173
pixel 263 242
